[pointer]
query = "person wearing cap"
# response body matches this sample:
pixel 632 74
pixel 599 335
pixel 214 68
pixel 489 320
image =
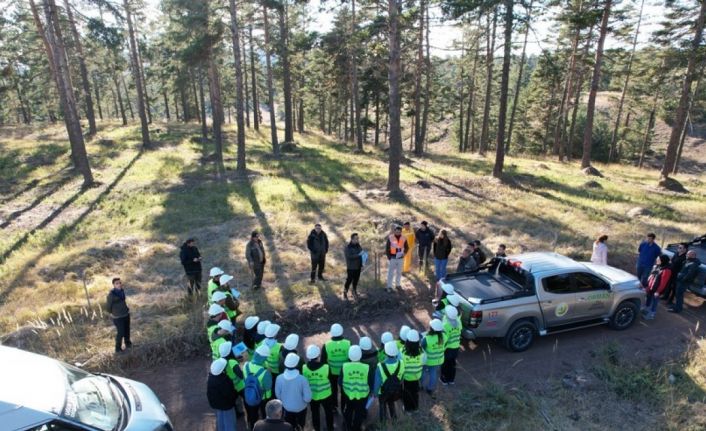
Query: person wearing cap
pixel 275 347
pixel 396 248
pixel 392 365
pixel 370 354
pixel 214 276
pixel 250 334
pixel 442 302
pixel 256 367
pixel 233 370
pixel 289 346
pixel 425 238
pixel 335 353
pixel 452 334
pixel 294 391
pixel 191 261
pixel 404 330
pixel 120 312
pixel 317 374
pixel 452 299
pixel 221 335
pixel 221 395
pixel 433 344
pixel 354 264
pixel 317 243
pixel 409 235
pixel 273 420
pixel 256 257
pixel 384 339
pixel 356 380
pixel 216 313
pixel 412 358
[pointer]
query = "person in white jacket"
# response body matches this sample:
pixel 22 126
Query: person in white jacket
pixel 600 251
pixel 294 391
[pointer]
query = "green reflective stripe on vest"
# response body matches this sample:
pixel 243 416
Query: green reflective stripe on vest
pixel 215 344
pixel 435 349
pixel 252 369
pixel 453 334
pixel 318 382
pixel 391 368
pixel 273 360
pixel 211 288
pixel 337 354
pixel 412 367
pixel 230 371
pixel 355 380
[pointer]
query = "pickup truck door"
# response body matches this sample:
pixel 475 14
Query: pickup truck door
pixel 558 300
pixel 593 296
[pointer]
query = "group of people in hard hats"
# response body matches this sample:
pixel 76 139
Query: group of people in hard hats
pixel 339 377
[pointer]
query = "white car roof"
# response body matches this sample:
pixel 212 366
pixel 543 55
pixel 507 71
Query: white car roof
pixel 543 261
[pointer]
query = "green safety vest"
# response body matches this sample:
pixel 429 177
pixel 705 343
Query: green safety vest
pixel 337 354
pixel 400 345
pixel 272 361
pixel 251 368
pixel 211 288
pixel 391 370
pixel 453 334
pixel 318 381
pixel 211 330
pixel 215 344
pixel 381 355
pixel 232 314
pixel 230 371
pixel 412 367
pixel 435 349
pixel 355 380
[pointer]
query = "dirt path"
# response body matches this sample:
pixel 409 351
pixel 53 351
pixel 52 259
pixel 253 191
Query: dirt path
pixel 181 386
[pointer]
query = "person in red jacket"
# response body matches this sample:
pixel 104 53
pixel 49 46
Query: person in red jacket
pixel 657 283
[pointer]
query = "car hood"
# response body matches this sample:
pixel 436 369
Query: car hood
pixel 614 275
pixel 146 411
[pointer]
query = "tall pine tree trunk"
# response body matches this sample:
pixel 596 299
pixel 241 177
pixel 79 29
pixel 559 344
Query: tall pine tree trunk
pixel 246 88
pixel 560 126
pixel 470 112
pixel 504 86
pixel 214 87
pixel 518 84
pixel 490 46
pixel 393 75
pixel 240 169
pixel 418 144
pixel 427 84
pixel 270 88
pixel 96 87
pixel 83 70
pixel 202 103
pixel 137 76
pixel 253 79
pixel 120 100
pixel 354 86
pixel 648 132
pixel 286 73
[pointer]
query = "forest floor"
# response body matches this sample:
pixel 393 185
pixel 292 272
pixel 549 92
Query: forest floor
pixel 61 243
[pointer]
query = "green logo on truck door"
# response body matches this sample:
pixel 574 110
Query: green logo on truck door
pixel 561 309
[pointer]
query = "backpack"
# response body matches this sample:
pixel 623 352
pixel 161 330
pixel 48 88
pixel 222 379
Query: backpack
pixel 392 388
pixel 252 393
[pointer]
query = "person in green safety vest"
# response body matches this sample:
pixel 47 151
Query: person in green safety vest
pixel 230 304
pixel 214 276
pixel 318 373
pixel 384 338
pixel 233 370
pixel 452 333
pixel 433 344
pixel 403 337
pixel 275 347
pixel 335 353
pixel 216 313
pixel 221 335
pixel 250 334
pixel 253 367
pixel 289 346
pixel 391 366
pixel 412 358
pixel 370 354
pixel 260 336
pixel 356 382
pixel 446 299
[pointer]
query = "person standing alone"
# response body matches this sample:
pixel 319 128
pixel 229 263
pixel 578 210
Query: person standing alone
pixel 354 264
pixel 119 311
pixel 255 255
pixel 395 248
pixel 600 251
pixel 191 261
pixel 317 243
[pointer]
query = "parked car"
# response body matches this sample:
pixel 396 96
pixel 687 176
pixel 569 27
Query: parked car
pixel 697 244
pixel 517 298
pixel 38 393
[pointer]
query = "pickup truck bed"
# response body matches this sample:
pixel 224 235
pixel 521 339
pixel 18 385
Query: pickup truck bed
pixel 484 287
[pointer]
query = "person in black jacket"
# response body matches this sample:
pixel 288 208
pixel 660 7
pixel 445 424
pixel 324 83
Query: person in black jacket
pixel 120 312
pixel 442 250
pixel 678 261
pixel 424 237
pixel 317 243
pixel 191 261
pixel 354 264
pixel 478 253
pixel 686 276
pixel 221 395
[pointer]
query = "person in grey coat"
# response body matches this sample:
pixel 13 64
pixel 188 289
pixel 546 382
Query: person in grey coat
pixel 255 255
pixel 354 264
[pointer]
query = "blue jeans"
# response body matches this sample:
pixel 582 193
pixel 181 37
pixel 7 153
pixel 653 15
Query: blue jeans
pixel 225 420
pixel 430 376
pixel 440 268
pixel 651 304
pixel 642 273
pixel 679 303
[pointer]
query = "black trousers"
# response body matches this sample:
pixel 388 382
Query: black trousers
pixel 384 406
pixel 258 269
pixel 670 292
pixel 448 368
pixel 318 264
pixel 254 413
pixel 122 324
pixel 352 278
pixel 334 391
pixel 194 282
pixel 354 414
pixel 410 395
pixel 424 250
pixel 327 404
pixel 296 419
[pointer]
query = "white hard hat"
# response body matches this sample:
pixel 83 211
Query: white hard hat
pixel 313 352
pixel 386 336
pixel 263 350
pixel 454 300
pixel 215 310
pixel 291 361
pixel 272 330
pixel 436 325
pixel 215 271
pixel 391 349
pixel 251 321
pixel 354 353
pixel 449 289
pixel 413 336
pixel 262 326
pixel 218 296
pixel 451 312
pixel 226 325
pixel 225 279
pixel 403 332
pixel 225 348
pixel 218 366
pixel 291 342
pixel 336 330
pixel 365 343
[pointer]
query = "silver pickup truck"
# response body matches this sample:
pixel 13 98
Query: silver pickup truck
pixel 520 297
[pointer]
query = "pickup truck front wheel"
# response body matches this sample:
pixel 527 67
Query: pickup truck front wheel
pixel 520 336
pixel 624 316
